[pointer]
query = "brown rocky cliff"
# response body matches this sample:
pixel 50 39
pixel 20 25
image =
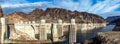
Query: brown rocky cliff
pixel 16 17
pixel 53 14
pixel 108 37
pixel 35 14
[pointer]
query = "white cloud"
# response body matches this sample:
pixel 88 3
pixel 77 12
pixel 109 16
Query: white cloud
pixel 24 5
pixel 109 9
pixel 84 5
pixel 115 13
pixel 13 1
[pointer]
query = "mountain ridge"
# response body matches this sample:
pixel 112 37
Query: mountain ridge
pixel 53 14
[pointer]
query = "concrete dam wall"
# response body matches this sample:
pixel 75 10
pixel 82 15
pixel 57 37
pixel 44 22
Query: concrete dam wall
pixel 56 31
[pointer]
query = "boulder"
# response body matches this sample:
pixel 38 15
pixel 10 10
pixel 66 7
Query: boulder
pixel 109 37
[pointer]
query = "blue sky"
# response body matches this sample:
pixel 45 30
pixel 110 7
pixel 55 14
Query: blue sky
pixel 103 8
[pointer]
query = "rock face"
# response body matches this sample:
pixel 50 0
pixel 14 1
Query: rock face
pixel 109 37
pixel 15 17
pixel 117 27
pixel 53 14
pixel 112 19
pixel 1 13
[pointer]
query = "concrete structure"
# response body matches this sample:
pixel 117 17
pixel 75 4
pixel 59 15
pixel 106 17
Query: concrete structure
pixel 60 28
pixel 43 31
pixel 28 30
pixel 24 30
pixel 72 32
pixel 2 31
pixel 55 33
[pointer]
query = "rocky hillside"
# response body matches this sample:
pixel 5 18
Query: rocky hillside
pixel 108 37
pixel 53 14
pixel 117 27
pixel 15 17
pixel 112 19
